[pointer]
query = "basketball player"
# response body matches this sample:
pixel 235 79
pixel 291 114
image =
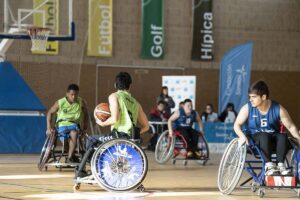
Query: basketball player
pixel 262 117
pixel 126 112
pixel 182 120
pixel 70 111
pixel 126 115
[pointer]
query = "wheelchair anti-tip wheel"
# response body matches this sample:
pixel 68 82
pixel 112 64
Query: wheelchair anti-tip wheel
pixel 231 166
pixel 45 154
pixel 119 165
pixel 164 147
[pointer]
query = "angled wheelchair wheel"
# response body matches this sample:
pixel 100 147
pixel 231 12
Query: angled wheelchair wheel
pixel 46 151
pixel 119 165
pixel 203 150
pixel 231 167
pixel 164 148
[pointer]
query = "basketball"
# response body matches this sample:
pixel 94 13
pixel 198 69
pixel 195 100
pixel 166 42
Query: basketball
pixel 102 111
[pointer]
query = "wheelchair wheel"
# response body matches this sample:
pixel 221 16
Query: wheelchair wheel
pixel 231 167
pixel 119 165
pixel 203 149
pixel 164 148
pixel 45 154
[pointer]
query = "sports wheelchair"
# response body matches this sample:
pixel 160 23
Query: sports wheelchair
pixel 176 146
pixel 54 150
pixel 117 165
pixel 249 157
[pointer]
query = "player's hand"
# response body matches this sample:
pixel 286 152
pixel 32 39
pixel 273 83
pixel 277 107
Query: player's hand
pixel 99 122
pixel 49 131
pixel 170 134
pixel 243 140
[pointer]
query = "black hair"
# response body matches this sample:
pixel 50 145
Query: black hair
pixel 187 101
pixel 123 81
pixel 162 89
pixel 73 86
pixel 230 105
pixel 260 88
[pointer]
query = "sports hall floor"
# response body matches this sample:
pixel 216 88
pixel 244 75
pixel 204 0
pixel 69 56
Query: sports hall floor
pixel 20 179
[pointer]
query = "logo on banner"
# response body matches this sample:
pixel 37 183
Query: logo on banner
pixel 157 48
pixel 207 44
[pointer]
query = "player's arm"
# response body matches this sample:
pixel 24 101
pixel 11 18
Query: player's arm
pixel 85 114
pixel 240 120
pixel 143 120
pixel 114 111
pixel 50 112
pixel 289 124
pixel 171 120
pixel 200 124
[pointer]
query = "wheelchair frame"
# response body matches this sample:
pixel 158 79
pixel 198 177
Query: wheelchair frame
pixel 119 166
pixel 255 168
pixel 178 145
pixel 48 155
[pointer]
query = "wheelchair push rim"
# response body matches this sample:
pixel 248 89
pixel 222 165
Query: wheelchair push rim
pixel 203 149
pixel 164 147
pixel 119 165
pixel 46 150
pixel 231 166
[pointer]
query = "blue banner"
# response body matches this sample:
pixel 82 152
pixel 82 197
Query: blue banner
pixel 22 134
pixel 235 72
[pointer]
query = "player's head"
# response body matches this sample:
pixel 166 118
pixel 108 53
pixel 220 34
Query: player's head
pixel 230 107
pixel 188 105
pixel 72 92
pixel 161 105
pixel 123 81
pixel 258 92
pixel 164 90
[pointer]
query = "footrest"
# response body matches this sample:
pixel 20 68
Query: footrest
pixel 280 181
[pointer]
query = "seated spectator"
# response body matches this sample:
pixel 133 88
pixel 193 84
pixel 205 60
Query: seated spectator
pixel 158 114
pixel 229 114
pixel 181 103
pixel 209 115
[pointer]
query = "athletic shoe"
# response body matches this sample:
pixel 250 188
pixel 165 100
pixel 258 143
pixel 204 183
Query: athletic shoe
pixel 283 170
pixel 198 154
pixel 271 169
pixel 189 154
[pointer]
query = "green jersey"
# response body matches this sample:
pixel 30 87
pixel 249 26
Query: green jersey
pixel 128 109
pixel 67 113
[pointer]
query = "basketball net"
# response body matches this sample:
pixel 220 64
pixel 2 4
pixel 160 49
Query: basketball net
pixel 39 38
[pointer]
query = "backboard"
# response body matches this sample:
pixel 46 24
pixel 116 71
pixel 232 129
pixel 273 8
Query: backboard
pixel 16 16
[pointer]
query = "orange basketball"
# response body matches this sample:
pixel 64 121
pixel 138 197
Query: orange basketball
pixel 102 111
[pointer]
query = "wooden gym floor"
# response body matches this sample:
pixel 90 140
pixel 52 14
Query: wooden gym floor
pixel 20 179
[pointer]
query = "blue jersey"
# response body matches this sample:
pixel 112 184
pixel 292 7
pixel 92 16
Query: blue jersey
pixel 185 121
pixel 269 123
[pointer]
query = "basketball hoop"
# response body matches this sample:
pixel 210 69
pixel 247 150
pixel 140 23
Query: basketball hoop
pixel 39 37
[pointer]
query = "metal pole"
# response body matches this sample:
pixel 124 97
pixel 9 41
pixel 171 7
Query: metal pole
pixel 5 16
pixel 138 67
pixel 70 15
